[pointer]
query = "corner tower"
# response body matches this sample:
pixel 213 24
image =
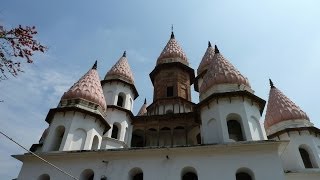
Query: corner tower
pixel 228 108
pixel 120 92
pixel 78 123
pixel 171 78
pixel 286 121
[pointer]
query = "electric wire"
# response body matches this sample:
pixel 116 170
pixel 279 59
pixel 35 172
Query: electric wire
pixel 56 167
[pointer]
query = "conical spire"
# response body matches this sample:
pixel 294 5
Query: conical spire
pixel 121 70
pixel 280 108
pixel 206 59
pixel 143 109
pixel 172 52
pixel 88 88
pixel 221 71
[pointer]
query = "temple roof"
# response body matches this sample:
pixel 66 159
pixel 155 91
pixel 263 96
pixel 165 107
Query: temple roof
pixel 206 59
pixel 281 108
pixel 88 87
pixel 172 52
pixel 221 71
pixel 143 109
pixel 121 70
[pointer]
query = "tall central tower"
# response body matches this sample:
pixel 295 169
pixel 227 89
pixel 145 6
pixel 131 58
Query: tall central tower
pixel 171 78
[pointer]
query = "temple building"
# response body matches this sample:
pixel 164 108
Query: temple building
pixel 93 134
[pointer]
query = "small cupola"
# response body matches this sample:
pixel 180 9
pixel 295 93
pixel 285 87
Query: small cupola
pixel 222 72
pixel 121 70
pixel 172 52
pixel 281 110
pixel 88 89
pixel 143 109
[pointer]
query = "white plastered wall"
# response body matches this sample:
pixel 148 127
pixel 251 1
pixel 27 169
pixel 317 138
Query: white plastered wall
pixel 291 157
pixel 73 121
pixel 214 120
pixel 125 131
pixel 113 89
pixel 163 165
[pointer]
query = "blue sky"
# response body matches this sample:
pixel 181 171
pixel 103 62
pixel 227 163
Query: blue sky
pixel 263 39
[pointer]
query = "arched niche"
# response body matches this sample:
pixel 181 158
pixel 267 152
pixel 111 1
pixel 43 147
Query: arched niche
pixel 189 173
pixel 44 177
pixel 135 174
pixel 95 143
pixel 78 139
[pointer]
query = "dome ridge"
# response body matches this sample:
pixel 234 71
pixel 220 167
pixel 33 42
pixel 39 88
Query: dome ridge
pixel 221 71
pixel 121 70
pixel 88 87
pixel 281 108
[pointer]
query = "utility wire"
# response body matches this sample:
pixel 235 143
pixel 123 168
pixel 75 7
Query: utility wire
pixel 64 172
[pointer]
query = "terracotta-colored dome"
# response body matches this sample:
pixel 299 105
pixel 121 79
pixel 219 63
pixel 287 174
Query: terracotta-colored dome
pixel 280 108
pixel 172 52
pixel 143 109
pixel 221 71
pixel 206 59
pixel 88 88
pixel 121 70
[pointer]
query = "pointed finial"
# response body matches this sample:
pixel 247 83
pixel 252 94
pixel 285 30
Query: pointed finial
pixel 209 44
pixel 124 54
pixel 95 65
pixel 145 100
pixel 271 83
pixel 172 35
pixel 216 50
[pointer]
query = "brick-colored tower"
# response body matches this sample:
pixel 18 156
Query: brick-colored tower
pixel 171 78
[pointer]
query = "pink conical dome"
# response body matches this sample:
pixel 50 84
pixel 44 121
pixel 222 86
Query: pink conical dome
pixel 221 71
pixel 206 59
pixel 143 109
pixel 88 88
pixel 172 52
pixel 280 108
pixel 121 70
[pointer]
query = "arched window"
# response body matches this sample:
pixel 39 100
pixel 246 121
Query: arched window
pixel 87 174
pixel 116 128
pixel 136 174
pixel 152 137
pixel 243 176
pixel 305 158
pixel 44 177
pixel 165 137
pixel 234 130
pixel 189 173
pixel 137 138
pixel 58 136
pixel 179 136
pixel 95 143
pixel 121 99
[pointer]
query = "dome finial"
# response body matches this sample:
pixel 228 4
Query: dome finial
pixel 145 100
pixel 216 50
pixel 209 44
pixel 124 54
pixel 172 34
pixel 95 65
pixel 271 83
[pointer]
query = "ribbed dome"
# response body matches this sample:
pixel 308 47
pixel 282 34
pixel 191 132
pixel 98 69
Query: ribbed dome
pixel 88 88
pixel 280 108
pixel 121 70
pixel 206 59
pixel 143 109
pixel 172 52
pixel 221 71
